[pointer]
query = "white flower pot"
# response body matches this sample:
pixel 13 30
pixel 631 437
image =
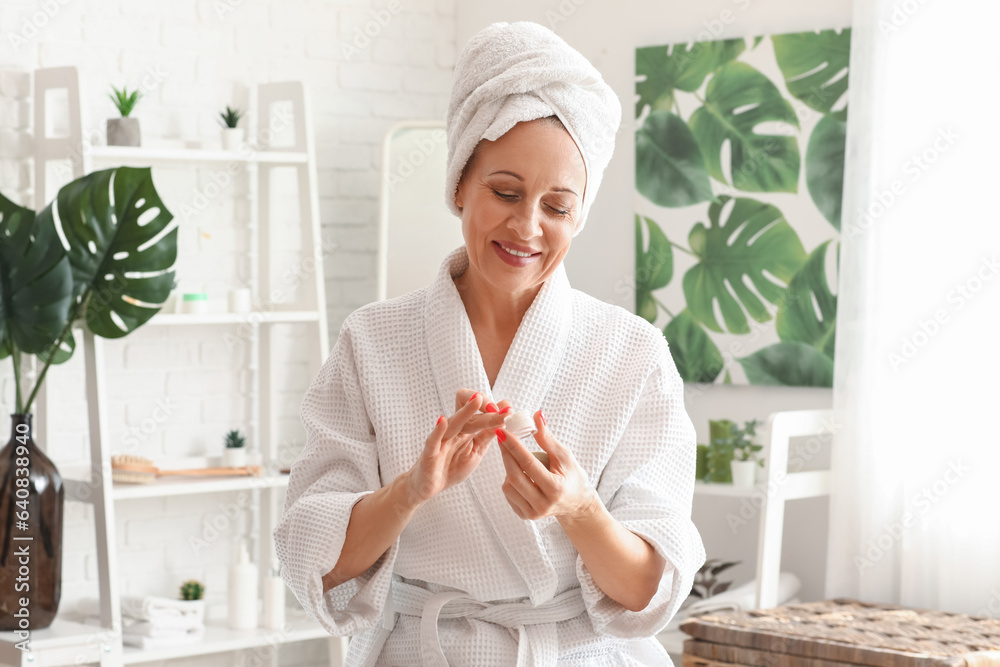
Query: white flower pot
pixel 232 138
pixel 743 472
pixel 234 457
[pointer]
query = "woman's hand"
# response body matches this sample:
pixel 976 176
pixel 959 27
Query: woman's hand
pixel 532 491
pixel 455 446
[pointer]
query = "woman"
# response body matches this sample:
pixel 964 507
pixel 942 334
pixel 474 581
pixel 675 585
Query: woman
pixel 448 542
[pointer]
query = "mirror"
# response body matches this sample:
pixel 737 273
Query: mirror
pixel 416 229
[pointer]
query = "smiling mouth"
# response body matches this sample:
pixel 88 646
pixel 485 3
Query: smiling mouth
pixel 513 252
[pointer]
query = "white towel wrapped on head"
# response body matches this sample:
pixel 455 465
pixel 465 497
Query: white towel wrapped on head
pixel 514 72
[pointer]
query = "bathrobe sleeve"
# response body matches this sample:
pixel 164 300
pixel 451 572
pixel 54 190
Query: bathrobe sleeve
pixel 337 468
pixel 648 485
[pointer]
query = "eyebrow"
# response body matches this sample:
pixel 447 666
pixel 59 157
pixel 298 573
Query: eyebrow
pixel 518 177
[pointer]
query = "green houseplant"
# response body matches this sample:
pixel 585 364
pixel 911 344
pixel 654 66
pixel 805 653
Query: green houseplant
pixel 124 131
pixel 234 455
pixel 101 256
pixel 731 456
pixel 232 136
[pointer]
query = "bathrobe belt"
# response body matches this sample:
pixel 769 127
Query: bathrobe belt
pixel 538 641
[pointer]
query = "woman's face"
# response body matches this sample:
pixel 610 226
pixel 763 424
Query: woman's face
pixel 520 202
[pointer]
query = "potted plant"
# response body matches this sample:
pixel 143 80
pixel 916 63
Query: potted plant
pixel 124 131
pixel 234 455
pixel 232 136
pixel 744 463
pixel 99 279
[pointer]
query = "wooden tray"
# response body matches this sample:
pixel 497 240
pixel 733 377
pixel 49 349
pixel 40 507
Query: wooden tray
pixel 841 633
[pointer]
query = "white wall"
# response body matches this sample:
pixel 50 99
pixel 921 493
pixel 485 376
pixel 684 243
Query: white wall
pixel 601 261
pixel 210 52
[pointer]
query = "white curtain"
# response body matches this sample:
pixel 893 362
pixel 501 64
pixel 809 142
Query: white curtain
pixel 915 509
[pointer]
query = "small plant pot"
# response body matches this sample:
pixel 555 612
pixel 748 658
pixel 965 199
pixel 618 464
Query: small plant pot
pixel 743 472
pixel 234 457
pixel 760 474
pixel 123 132
pixel 232 138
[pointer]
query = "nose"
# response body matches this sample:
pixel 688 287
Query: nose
pixel 526 221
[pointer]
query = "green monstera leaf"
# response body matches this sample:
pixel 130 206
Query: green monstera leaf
pixel 696 356
pixel 660 70
pixel 790 364
pixel 814 65
pixel 797 318
pixel 654 267
pixel 825 167
pixel 728 257
pixel 36 283
pixel 738 99
pixel 122 247
pixel 669 168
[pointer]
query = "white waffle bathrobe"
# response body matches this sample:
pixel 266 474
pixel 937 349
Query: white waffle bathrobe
pixel 611 394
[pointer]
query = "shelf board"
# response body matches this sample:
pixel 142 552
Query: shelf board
pixel 809 484
pixel 185 486
pixel 218 639
pixel 153 154
pixel 714 489
pixel 60 634
pixel 272 317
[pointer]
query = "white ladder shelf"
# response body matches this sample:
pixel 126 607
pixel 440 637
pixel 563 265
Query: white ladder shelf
pixel 66 642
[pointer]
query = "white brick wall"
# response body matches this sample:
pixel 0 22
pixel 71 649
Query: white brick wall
pixel 174 392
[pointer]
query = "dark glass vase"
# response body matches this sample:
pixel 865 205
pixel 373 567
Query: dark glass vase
pixel 31 523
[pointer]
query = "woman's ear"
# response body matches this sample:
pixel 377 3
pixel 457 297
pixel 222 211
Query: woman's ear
pixel 458 197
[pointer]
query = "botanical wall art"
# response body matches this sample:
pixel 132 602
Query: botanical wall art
pixel 739 174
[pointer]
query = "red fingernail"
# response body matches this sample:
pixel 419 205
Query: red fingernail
pixel 505 410
pixel 439 419
pixel 500 435
pixel 543 417
pixel 473 397
pixel 491 408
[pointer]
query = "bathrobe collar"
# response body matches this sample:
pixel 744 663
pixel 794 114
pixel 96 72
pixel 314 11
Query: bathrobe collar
pixel 524 379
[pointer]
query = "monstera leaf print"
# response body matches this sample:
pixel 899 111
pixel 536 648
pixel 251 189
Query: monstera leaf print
pixel 697 358
pixel 661 70
pixel 814 65
pixel 668 164
pixel 754 239
pixel 825 167
pixel 798 319
pixel 738 99
pixel 791 364
pixel 654 267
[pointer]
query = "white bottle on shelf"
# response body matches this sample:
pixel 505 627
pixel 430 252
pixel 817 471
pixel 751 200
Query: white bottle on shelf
pixel 243 592
pixel 274 599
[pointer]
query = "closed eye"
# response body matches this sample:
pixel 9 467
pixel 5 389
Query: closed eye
pixel 504 197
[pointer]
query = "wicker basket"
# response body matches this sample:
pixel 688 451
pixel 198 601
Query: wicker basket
pixel 841 633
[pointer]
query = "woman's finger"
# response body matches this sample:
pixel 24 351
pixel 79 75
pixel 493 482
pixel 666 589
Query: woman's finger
pixel 463 415
pixel 462 397
pixel 525 459
pixel 517 502
pixel 433 443
pixel 519 481
pixel 504 406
